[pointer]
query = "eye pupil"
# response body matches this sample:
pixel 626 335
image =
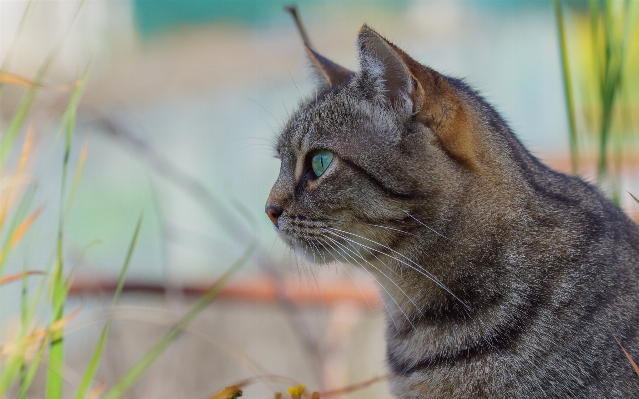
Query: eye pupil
pixel 320 161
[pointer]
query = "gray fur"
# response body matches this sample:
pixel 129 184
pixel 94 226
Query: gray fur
pixel 501 277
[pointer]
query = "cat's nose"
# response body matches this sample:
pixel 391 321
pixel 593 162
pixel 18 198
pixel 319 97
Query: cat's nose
pixel 274 213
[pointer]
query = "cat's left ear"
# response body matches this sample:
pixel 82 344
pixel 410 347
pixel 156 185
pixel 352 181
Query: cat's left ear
pixel 327 73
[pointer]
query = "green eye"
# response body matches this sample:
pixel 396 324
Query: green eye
pixel 320 161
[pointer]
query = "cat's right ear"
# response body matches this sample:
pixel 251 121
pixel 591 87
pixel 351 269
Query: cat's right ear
pixel 325 71
pixel 396 77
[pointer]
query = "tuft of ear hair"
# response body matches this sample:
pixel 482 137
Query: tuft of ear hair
pixel 326 71
pixel 386 75
pixel 398 79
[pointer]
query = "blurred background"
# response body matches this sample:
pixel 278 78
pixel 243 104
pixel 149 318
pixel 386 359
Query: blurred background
pixel 182 101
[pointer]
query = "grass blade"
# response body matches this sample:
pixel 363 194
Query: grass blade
pixel 31 371
pixel 18 276
pixel 12 47
pixel 78 174
pixel 24 157
pixel 16 80
pixel 140 367
pixel 21 113
pixel 97 391
pixel 625 352
pixel 92 367
pixel 9 136
pixel 568 92
pixel 17 350
pixel 17 234
pixel 26 149
pixel 28 314
pixel 54 389
pixel 24 325
pixel 23 227
pixel 17 219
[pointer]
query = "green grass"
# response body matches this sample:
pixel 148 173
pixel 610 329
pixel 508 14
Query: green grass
pixel 603 74
pixel 92 367
pixel 19 368
pixel 135 372
pixel 58 289
pixel 40 347
pixel 568 91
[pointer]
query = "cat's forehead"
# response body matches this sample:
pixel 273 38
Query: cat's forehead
pixel 310 123
pixel 330 120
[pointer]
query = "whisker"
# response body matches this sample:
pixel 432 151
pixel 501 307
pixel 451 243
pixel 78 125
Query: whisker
pixel 389 228
pixel 310 241
pixel 385 275
pixel 370 224
pixel 419 268
pixel 349 275
pixel 276 91
pixel 375 278
pixel 311 269
pixel 279 124
pixel 295 84
pixel 255 147
pixel 354 251
pixel 357 285
pixel 306 273
pixel 425 225
pixel 294 265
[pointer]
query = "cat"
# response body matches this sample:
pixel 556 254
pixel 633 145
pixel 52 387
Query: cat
pixel 501 277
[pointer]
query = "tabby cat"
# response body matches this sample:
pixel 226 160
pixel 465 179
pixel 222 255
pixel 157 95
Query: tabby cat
pixel 501 278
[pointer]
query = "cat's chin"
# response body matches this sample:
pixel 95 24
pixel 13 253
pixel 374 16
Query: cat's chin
pixel 313 256
pixel 308 252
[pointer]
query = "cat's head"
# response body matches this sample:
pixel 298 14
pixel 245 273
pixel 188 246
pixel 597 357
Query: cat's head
pixel 372 152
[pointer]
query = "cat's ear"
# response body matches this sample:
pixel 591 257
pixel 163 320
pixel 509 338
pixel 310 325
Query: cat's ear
pixel 431 97
pixel 383 72
pixel 325 71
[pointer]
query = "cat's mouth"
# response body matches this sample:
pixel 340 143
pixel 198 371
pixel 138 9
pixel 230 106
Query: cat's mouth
pixel 306 237
pixel 321 241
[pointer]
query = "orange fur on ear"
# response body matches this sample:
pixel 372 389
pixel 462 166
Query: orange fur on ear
pixel 328 71
pixel 444 112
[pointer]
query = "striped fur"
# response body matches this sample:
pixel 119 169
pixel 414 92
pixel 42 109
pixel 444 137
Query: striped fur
pixel 501 278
